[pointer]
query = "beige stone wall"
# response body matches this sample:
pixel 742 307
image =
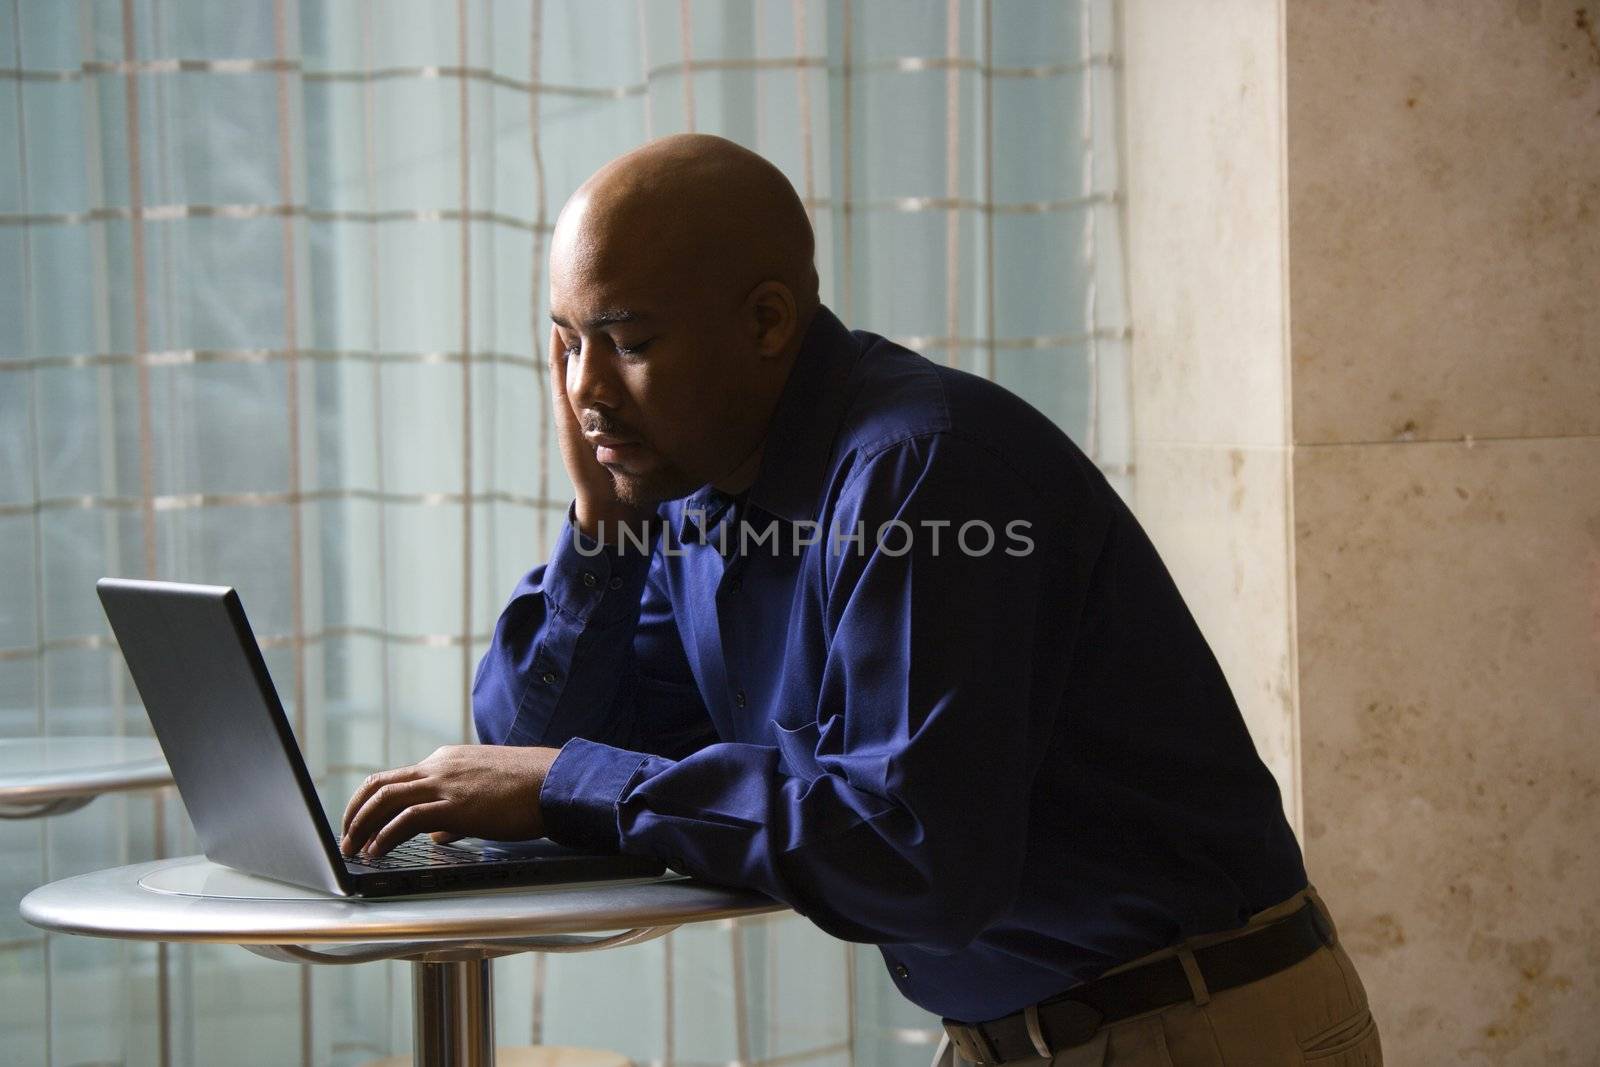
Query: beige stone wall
pixel 1444 235
pixel 1364 255
pixel 1203 123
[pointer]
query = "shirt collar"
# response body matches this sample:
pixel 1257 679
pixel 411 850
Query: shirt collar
pixel 703 511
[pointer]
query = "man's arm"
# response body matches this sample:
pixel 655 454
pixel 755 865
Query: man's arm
pixel 896 810
pixel 587 647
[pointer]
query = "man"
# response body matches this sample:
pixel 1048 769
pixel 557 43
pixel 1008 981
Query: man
pixel 873 636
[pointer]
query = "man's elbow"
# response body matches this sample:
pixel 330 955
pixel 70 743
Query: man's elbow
pixel 950 925
pixel 942 917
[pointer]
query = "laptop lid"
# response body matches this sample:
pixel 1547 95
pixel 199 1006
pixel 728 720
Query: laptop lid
pixel 217 715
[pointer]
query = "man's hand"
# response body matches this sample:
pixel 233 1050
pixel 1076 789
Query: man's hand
pixel 596 503
pixel 487 791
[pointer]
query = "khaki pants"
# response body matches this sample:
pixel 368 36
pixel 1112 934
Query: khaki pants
pixel 1313 1013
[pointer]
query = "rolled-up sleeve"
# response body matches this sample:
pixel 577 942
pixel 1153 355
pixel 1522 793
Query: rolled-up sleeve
pixel 896 809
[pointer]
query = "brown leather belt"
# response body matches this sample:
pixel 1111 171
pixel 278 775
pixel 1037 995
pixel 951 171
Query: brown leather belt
pixel 1072 1018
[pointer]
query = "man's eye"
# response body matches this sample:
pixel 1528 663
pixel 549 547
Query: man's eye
pixel 631 350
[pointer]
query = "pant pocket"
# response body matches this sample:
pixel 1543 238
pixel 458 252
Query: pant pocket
pixel 1137 1043
pixel 1351 1043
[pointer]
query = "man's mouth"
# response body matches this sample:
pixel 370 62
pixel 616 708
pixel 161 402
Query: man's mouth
pixel 609 450
pixel 610 455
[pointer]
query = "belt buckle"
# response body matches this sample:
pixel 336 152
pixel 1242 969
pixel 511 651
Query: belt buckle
pixel 973 1044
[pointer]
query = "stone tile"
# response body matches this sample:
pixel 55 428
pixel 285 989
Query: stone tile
pixel 1203 119
pixel 1449 673
pixel 1218 517
pixel 1445 228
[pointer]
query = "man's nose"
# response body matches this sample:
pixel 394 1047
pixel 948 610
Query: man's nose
pixel 591 379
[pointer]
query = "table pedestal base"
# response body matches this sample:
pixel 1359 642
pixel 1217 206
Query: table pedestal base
pixel 453 1013
pixel 452 986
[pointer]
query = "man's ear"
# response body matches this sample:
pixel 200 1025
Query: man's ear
pixel 773 318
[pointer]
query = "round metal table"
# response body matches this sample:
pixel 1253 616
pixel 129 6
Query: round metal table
pixel 52 775
pixel 450 939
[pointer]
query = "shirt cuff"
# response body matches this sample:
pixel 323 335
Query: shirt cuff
pixel 596 582
pixel 581 793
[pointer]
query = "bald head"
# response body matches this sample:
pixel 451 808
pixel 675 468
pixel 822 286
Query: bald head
pixel 693 205
pixel 682 286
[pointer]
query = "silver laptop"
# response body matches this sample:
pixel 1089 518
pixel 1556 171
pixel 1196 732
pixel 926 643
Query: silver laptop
pixel 241 775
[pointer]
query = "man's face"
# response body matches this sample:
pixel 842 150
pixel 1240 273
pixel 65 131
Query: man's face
pixel 652 360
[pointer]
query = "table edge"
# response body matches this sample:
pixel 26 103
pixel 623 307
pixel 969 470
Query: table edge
pixel 157 776
pixel 745 903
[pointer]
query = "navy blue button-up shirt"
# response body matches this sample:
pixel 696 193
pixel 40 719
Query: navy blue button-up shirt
pixel 926 681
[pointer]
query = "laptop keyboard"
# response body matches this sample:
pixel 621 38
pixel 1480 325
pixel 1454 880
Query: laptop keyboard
pixel 421 851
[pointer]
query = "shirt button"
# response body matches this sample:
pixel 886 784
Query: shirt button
pixel 738 698
pixel 548 677
pixel 615 583
pixel 590 580
pixel 900 971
